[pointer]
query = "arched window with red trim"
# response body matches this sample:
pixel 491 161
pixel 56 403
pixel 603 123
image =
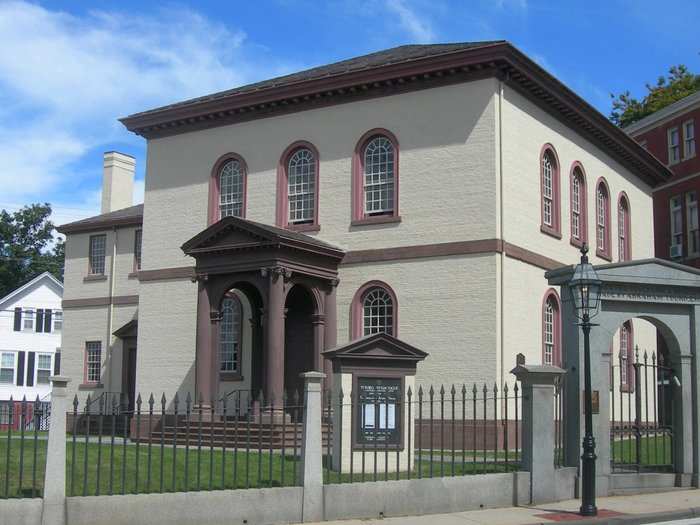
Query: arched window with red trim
pixel 227 188
pixel 374 310
pixel 551 329
pixel 376 178
pixel 624 240
pixel 549 190
pixel 230 334
pixel 626 356
pixel 602 214
pixel 579 206
pixel 297 188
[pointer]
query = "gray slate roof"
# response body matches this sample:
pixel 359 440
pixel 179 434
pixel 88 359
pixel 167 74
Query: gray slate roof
pixel 123 217
pixel 386 57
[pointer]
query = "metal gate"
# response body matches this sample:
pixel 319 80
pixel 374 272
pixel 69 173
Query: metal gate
pixel 641 408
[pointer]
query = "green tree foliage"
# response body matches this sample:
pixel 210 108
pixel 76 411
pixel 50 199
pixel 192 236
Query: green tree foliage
pixel 679 84
pixel 27 246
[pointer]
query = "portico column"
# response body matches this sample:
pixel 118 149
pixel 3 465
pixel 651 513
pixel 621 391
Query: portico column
pixel 330 332
pixel 204 353
pixel 274 330
pixel 318 321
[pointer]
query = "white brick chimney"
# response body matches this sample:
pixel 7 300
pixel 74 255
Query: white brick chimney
pixel 117 181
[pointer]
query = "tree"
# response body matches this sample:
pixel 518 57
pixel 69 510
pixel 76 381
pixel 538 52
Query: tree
pixel 680 83
pixel 27 246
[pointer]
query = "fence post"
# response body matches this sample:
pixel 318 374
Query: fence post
pixel 54 505
pixel 312 449
pixel 538 428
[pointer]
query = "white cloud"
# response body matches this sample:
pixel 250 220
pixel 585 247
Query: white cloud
pixel 504 4
pixel 414 23
pixel 65 79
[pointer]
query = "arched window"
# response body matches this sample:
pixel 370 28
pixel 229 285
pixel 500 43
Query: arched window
pixel 624 241
pixel 602 214
pixel 227 189
pixel 549 175
pixel 230 331
pixel 626 356
pixel 374 310
pixel 579 229
pixel 376 178
pixel 297 188
pixel 551 329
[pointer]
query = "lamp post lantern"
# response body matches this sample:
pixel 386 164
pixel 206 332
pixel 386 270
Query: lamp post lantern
pixel 585 290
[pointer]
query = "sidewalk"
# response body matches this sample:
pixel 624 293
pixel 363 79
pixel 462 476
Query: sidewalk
pixel 640 508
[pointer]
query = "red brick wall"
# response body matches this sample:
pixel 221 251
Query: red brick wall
pixel 662 218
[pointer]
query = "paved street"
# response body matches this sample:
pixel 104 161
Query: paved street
pixel 641 508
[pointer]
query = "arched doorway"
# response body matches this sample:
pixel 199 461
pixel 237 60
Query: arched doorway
pixel 299 353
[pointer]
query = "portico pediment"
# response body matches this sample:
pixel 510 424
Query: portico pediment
pixel 377 350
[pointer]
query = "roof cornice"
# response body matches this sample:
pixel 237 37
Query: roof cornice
pixel 501 60
pixel 661 116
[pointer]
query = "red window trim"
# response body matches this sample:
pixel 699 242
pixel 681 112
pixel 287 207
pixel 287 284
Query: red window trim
pixel 226 375
pixel 555 229
pixel 607 253
pixel 215 190
pixel 356 328
pixel 577 167
pixel 87 382
pixel 628 386
pixel 556 353
pixel 358 199
pixel 627 226
pixel 282 207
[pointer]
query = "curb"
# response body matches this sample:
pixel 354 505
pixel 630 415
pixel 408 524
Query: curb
pixel 633 519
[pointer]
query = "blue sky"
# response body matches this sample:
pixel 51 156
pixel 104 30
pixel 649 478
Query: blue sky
pixel 69 69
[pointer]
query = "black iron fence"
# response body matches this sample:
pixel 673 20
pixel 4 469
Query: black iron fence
pixel 23 438
pixel 641 427
pixel 559 405
pixel 181 445
pixel 379 432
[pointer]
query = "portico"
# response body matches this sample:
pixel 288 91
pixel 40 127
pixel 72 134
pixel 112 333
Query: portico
pixel 284 282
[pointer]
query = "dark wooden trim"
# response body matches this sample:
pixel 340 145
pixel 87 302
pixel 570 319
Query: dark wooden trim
pixel 376 219
pixel 180 272
pixel 230 376
pixel 530 257
pixel 101 225
pixel 94 278
pixel 424 250
pixel 101 301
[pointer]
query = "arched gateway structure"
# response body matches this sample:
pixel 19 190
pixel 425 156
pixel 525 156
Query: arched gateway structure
pixel 280 282
pixel 667 295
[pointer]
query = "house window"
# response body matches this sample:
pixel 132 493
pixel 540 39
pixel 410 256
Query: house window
pixel 693 231
pixel 97 254
pixel 676 208
pixel 231 189
pixel 689 139
pixel 137 249
pixel 43 369
pixel 674 146
pixel 7 368
pixel 578 207
pixel 93 361
pixel 602 220
pixel 626 357
pixel 623 229
pixel 42 322
pixel 58 321
pixel 230 334
pixel 301 187
pixel 549 177
pixel 377 312
pixel 551 329
pixel 28 319
pixel 378 162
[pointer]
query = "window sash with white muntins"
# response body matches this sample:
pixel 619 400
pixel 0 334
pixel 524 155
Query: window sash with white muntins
pixel 301 186
pixel 98 245
pixel 601 219
pixel 576 207
pixel 43 369
pixel 57 321
pixel 547 190
pixel 231 190
pixel 377 312
pixel 138 235
pixel 676 207
pixel 689 139
pixel 379 176
pixel 549 332
pixel 93 361
pixel 7 368
pixel 693 229
pixel 230 334
pixel 28 319
pixel 674 147
pixel 622 219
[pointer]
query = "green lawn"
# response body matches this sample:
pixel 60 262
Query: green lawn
pixel 654 451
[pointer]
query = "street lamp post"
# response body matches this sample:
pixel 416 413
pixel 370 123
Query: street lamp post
pixel 585 290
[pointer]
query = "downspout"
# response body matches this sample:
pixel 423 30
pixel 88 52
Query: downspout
pixel 501 228
pixel 110 309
